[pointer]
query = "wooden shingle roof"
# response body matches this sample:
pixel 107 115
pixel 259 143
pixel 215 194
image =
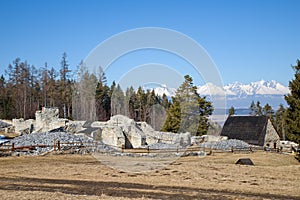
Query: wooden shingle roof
pixel 251 129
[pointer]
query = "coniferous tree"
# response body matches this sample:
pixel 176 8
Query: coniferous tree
pixel 293 110
pixel 252 109
pixel 255 109
pixel 172 123
pixel 188 111
pixel 268 111
pixel 117 101
pixel 128 104
pixel 65 87
pixel 5 101
pixel 140 104
pixel 53 91
pixel 165 101
pixel 280 120
pixel 231 111
pixel 44 78
pixel 258 109
pixel 103 101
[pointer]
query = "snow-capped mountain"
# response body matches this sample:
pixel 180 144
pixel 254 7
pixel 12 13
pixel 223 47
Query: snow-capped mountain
pixel 165 90
pixel 257 88
pixel 238 94
pixel 240 90
pixel 162 89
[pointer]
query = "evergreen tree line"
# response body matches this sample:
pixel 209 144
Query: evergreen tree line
pixel 26 89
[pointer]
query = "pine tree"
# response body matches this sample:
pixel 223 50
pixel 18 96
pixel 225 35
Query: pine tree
pixel 65 88
pixel 293 110
pixel 141 104
pixel 165 101
pixel 280 121
pixel 117 101
pixel 128 104
pixel 103 101
pixel 255 109
pixel 252 109
pixel 188 111
pixel 258 109
pixel 268 111
pixel 231 111
pixel 172 123
pixel 53 88
pixel 5 102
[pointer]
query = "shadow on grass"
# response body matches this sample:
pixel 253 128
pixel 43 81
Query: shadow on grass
pixel 129 190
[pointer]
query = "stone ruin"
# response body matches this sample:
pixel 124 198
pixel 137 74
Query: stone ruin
pixel 45 120
pixel 120 131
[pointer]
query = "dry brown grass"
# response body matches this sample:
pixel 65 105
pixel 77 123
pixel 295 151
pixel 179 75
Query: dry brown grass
pixel 274 176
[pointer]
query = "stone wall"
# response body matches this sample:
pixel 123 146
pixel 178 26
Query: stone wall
pixel 271 136
pixel 22 126
pixel 152 136
pixel 120 129
pixel 48 119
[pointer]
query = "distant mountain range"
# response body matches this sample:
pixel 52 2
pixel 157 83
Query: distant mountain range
pixel 240 95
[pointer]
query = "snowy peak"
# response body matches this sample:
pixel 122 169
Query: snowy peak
pixel 210 89
pixel 238 94
pixel 164 90
pixel 269 87
pixel 236 89
pixel 256 88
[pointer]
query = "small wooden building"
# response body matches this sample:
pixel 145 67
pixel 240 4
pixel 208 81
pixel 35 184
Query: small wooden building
pixel 255 130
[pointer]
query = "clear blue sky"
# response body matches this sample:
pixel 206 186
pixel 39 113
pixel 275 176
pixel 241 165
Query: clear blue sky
pixel 248 40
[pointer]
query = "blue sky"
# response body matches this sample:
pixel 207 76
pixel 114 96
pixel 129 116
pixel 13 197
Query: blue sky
pixel 248 40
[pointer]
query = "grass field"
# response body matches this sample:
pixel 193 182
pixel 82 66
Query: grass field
pixel 274 176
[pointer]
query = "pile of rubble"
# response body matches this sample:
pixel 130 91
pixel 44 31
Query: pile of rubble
pixel 44 142
pixel 226 144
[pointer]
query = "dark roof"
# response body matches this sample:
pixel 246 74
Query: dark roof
pixel 251 129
